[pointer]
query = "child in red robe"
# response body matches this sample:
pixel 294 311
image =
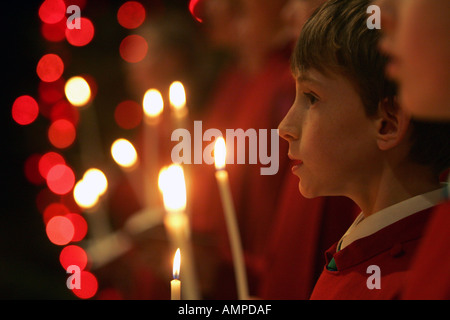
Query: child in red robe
pixel 348 137
pixel 416 37
pixel 302 228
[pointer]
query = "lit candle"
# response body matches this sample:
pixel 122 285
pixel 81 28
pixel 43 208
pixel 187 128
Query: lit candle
pixel 177 96
pixel 78 92
pixel 230 217
pixel 175 284
pixel 172 184
pixel 153 106
pixel 124 154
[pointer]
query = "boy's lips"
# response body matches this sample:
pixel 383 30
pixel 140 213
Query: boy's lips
pixel 296 163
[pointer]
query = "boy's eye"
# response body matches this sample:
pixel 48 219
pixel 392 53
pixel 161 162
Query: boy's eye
pixel 312 99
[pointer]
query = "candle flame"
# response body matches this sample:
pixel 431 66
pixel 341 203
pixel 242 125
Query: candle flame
pixel 176 264
pixel 153 103
pixel 177 95
pixel 77 91
pixel 124 153
pixel 220 153
pixel 97 180
pixel 84 195
pixel 88 190
pixel 162 179
pixel 172 184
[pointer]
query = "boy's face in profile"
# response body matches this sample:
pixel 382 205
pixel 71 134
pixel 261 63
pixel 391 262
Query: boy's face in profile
pixel 417 37
pixel 330 137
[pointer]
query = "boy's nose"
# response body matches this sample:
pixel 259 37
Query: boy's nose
pixel 287 130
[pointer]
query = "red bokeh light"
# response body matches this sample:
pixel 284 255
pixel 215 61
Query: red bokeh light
pixel 48 161
pixel 128 114
pixel 79 3
pixel 31 169
pixel 64 110
pixel 60 230
pixel 61 133
pixel 54 32
pixel 52 11
pixel 54 209
pixel 81 37
pixel 50 67
pixel 73 255
pixel 131 14
pixel 109 294
pixel 60 179
pixel 133 48
pixel 50 93
pixel 193 8
pixel 25 110
pixel 80 225
pixel 88 286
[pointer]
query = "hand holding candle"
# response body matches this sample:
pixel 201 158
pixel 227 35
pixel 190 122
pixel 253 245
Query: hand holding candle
pixel 175 284
pixel 230 217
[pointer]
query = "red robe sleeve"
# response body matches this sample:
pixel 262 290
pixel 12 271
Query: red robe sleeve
pixel 304 229
pixel 430 276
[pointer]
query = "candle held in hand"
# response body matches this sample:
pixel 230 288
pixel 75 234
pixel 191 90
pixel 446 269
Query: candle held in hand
pixel 230 217
pixel 175 284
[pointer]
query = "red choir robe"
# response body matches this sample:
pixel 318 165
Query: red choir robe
pixel 430 277
pixel 389 247
pixel 304 229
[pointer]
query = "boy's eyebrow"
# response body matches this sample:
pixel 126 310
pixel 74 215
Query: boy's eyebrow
pixel 306 78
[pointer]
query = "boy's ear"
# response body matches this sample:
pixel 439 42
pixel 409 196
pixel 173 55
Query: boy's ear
pixel 392 124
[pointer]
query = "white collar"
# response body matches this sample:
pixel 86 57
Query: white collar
pixel 363 227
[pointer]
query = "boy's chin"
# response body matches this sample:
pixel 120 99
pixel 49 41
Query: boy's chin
pixel 306 192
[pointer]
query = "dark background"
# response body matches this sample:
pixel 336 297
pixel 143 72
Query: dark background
pixel 29 262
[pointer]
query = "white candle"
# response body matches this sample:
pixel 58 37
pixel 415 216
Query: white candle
pixel 173 187
pixel 175 284
pixel 124 154
pixel 180 112
pixel 153 106
pixel 230 217
pixel 177 97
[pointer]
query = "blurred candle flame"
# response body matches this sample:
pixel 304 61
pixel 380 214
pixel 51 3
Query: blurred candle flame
pixel 90 188
pixel 77 91
pixel 177 95
pixel 153 103
pixel 220 153
pixel 124 153
pixel 173 187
